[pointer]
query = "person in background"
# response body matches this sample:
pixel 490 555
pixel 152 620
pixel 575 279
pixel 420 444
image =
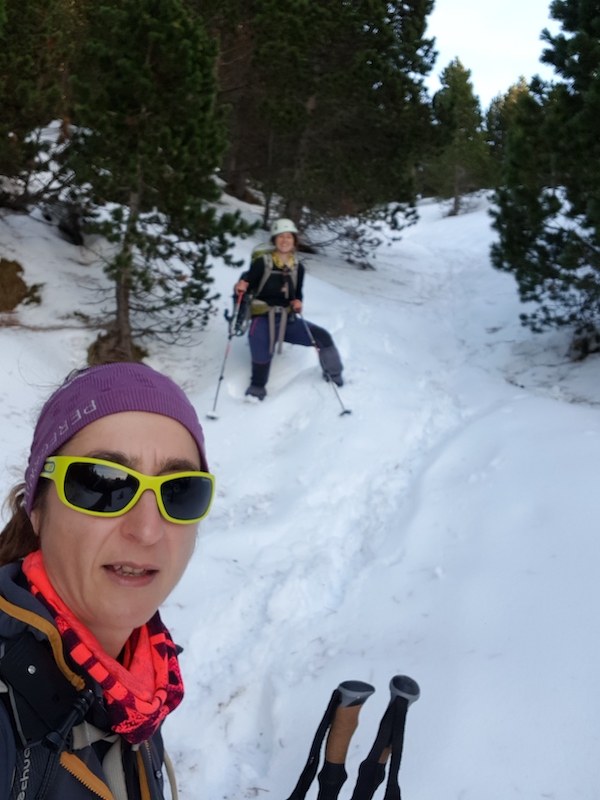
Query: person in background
pixel 101 530
pixel 275 281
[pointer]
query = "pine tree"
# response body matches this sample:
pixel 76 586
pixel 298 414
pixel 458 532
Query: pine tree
pixel 234 28
pixel 37 46
pixel 146 144
pixel 363 113
pixel 462 161
pixel 498 119
pixel 548 213
pixel 334 112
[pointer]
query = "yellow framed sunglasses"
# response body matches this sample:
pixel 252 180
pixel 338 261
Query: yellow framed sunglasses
pixel 104 489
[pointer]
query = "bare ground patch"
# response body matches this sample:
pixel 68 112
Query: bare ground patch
pixel 13 289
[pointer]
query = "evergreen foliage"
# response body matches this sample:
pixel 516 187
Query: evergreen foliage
pixel 461 162
pixel 548 213
pixel 334 112
pixel 232 26
pixel 37 45
pixel 146 143
pixel 498 120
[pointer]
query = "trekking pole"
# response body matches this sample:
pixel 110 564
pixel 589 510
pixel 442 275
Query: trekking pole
pixel 329 380
pixel 405 691
pixel 333 775
pixel 389 741
pixel 341 716
pixel 232 324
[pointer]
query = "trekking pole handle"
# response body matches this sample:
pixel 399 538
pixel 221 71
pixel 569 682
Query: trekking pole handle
pixel 236 312
pixel 354 693
pixel 405 687
pixel 352 696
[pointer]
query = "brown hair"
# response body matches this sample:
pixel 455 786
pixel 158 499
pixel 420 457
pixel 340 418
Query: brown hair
pixel 17 538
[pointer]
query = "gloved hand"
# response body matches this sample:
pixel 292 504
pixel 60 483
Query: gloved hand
pixel 296 306
pixel 241 286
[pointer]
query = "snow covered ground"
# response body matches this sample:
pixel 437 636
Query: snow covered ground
pixel 445 529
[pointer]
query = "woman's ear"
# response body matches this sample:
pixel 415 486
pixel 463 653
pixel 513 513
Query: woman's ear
pixel 34 518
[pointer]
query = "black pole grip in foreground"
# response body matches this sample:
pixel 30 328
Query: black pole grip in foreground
pixel 389 741
pixel 341 719
pixel 333 775
pixel 403 686
pixel 346 699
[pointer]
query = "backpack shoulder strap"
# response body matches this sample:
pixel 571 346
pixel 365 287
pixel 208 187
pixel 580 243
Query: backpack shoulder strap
pixel 267 270
pixel 294 273
pixel 35 768
pixel 42 708
pixel 8 749
pixel 24 771
pixel 40 695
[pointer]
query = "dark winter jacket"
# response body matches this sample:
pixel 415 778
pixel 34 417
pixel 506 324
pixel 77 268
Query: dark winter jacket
pixel 279 289
pixel 41 697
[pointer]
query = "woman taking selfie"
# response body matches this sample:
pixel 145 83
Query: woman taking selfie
pixel 100 532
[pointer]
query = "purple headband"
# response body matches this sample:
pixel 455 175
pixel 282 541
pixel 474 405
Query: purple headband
pixel 89 394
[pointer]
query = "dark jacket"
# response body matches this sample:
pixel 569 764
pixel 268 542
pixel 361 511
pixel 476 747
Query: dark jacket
pixel 41 696
pixel 280 288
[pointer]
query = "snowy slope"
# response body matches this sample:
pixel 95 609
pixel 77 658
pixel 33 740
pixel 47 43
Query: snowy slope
pixel 445 529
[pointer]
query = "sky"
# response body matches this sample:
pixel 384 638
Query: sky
pixel 498 42
pixel 445 529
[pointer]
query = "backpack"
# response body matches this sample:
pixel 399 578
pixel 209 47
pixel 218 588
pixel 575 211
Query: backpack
pixel 266 251
pixel 246 307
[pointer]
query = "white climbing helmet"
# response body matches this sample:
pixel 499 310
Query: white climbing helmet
pixel 283 226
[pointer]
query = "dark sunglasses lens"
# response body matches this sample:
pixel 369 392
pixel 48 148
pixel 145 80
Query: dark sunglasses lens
pixel 96 487
pixel 187 497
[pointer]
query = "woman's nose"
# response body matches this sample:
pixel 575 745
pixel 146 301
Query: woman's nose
pixel 144 521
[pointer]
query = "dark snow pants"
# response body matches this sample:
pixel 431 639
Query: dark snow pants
pixel 295 333
pixel 261 344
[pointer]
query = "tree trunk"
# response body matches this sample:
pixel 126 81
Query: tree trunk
pixel 123 336
pixel 458 189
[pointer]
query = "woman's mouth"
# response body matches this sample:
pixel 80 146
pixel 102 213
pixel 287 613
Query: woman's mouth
pixel 130 571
